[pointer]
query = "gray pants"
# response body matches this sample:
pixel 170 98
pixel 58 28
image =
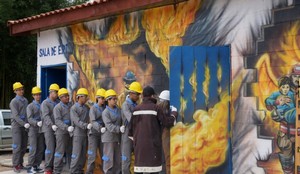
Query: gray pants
pixel 127 149
pixel 111 158
pixel 78 154
pixel 50 148
pixel 36 149
pixel 63 145
pixel 19 138
pixel 94 144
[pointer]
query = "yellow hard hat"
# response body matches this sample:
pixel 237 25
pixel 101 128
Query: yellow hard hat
pixel 101 92
pixel 17 85
pixel 109 93
pixel 54 87
pixel 36 90
pixel 136 87
pixel 62 91
pixel 82 91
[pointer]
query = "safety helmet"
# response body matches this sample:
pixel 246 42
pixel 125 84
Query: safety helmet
pixel 54 87
pixel 100 92
pixel 82 91
pixel 110 93
pixel 136 87
pixel 296 70
pixel 129 77
pixel 17 85
pixel 165 95
pixel 36 90
pixel 62 91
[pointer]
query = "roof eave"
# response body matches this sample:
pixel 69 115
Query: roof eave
pixel 85 13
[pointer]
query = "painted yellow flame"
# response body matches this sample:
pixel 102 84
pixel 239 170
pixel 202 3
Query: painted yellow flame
pixel 205 84
pixel 193 82
pixel 270 71
pixel 183 101
pixel 219 76
pixel 165 26
pixel 90 53
pixel 197 147
pixel 120 34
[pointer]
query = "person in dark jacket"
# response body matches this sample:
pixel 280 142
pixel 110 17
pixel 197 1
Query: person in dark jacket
pixel 167 111
pixel 146 132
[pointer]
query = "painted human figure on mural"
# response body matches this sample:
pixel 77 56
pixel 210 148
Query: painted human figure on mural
pixel 295 75
pixel 128 78
pixel 282 106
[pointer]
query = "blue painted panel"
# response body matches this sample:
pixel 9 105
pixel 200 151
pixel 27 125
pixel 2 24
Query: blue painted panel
pixel 175 71
pixel 212 54
pixel 187 93
pixel 200 61
pixel 224 55
pixel 212 66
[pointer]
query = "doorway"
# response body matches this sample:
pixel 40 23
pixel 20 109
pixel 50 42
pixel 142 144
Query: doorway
pixel 53 74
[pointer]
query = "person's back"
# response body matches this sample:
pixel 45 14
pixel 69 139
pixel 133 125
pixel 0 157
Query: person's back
pixel 146 130
pixel 147 136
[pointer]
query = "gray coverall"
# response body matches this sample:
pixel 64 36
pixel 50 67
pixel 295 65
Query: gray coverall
pixel 36 137
pixel 62 120
pixel 126 143
pixel 48 120
pixel 79 119
pixel 111 141
pixel 94 137
pixel 19 134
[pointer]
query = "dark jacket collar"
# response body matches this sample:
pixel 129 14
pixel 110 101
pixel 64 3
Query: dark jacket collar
pixel 149 100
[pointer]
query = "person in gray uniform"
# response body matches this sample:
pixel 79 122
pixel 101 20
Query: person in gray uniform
pixel 62 120
pixel 79 119
pixel 35 135
pixel 19 125
pixel 49 127
pixel 111 137
pixel 135 89
pixel 94 135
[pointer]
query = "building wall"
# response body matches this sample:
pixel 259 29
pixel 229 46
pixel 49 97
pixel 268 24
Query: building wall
pixel 264 40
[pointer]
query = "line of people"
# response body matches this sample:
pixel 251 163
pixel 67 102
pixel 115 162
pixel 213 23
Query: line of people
pixel 59 130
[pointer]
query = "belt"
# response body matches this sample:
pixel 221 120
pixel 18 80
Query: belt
pixel 289 129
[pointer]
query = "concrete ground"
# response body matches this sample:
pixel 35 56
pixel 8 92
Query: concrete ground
pixel 6 162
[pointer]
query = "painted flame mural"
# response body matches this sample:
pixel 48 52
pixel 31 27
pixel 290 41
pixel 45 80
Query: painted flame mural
pixel 224 124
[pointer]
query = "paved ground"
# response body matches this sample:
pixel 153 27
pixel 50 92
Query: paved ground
pixel 6 163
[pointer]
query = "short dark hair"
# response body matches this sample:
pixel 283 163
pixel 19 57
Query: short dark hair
pixel 284 81
pixel 148 91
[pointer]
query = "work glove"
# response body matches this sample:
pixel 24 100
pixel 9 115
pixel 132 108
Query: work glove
pixel 70 129
pixel 26 125
pixel 122 129
pixel 173 109
pixel 39 124
pixel 103 129
pixel 89 126
pixel 54 128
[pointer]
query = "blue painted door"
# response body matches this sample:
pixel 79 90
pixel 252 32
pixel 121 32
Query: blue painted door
pixel 200 90
pixel 53 74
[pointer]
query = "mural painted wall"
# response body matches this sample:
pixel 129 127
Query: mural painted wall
pixel 264 48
